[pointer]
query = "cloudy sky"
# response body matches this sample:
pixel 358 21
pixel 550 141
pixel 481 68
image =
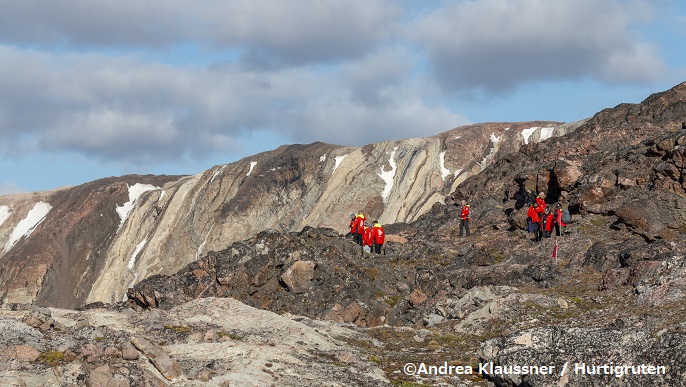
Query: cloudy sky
pixel 91 89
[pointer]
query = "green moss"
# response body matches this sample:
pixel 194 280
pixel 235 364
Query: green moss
pixel 178 328
pixel 52 358
pixel 393 300
pixel 371 272
pixel 233 335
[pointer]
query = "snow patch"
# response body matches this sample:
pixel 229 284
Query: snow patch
pixel 216 173
pixel 495 140
pixel 526 133
pixel 135 191
pixel 139 248
pixel 322 158
pixel 339 160
pixel 445 172
pixel 506 129
pixel 4 214
pixel 457 138
pixel 458 172
pixel 252 166
pixel 387 176
pixel 161 195
pixel 546 133
pixel 26 226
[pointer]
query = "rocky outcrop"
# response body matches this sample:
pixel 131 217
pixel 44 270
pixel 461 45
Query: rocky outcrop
pixel 585 357
pixel 90 243
pixel 204 342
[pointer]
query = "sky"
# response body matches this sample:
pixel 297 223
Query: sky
pixel 92 89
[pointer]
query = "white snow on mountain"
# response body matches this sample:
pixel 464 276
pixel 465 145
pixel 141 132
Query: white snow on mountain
pixel 339 160
pixel 139 248
pixel 546 133
pixel 526 133
pixel 252 166
pixel 135 191
pixel 26 226
pixel 4 214
pixel 216 173
pixel 387 176
pixel 445 172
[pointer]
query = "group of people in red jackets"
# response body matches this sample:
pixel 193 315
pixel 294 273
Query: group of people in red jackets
pixel 541 220
pixel 371 237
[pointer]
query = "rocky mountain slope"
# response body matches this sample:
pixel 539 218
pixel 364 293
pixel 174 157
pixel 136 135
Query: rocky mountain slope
pixel 613 300
pixel 90 243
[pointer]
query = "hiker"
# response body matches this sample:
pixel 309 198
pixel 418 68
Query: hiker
pixel 367 238
pixel 529 197
pixel 359 227
pixel 352 225
pixel 535 220
pixel 378 236
pixel 540 201
pixel 547 224
pixel 560 218
pixel 465 217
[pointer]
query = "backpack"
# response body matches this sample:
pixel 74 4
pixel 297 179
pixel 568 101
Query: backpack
pixel 566 217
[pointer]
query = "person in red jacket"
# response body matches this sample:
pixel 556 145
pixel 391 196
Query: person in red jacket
pixel 465 217
pixel 548 221
pixel 352 224
pixel 557 215
pixel 367 238
pixel 379 236
pixel 540 201
pixel 359 227
pixel 535 221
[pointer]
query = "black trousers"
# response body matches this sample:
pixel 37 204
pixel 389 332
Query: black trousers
pixel 537 231
pixel 377 248
pixel 464 226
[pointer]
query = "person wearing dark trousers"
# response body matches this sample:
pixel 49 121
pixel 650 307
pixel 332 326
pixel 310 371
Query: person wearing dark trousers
pixel 465 217
pixel 378 236
pixel 535 221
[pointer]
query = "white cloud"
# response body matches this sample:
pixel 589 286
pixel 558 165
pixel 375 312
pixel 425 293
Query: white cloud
pixel 497 45
pixel 127 109
pixel 268 30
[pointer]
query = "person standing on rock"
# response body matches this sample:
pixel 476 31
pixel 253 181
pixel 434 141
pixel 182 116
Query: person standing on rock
pixel 547 223
pixel 535 220
pixel 352 224
pixel 540 201
pixel 465 217
pixel 359 226
pixel 367 239
pixel 378 236
pixel 558 219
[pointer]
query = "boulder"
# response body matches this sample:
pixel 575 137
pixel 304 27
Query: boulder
pixel 297 278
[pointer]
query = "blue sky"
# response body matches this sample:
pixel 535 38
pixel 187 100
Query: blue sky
pixel 105 88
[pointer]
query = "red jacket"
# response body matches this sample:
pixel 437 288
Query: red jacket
pixel 549 222
pixel 359 224
pixel 533 214
pixel 541 205
pixel 558 218
pixel 378 234
pixel 367 237
pixel 466 213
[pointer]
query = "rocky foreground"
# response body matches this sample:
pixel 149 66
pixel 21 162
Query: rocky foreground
pixel 207 341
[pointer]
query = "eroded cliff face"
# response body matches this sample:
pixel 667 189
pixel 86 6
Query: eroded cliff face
pixel 90 243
